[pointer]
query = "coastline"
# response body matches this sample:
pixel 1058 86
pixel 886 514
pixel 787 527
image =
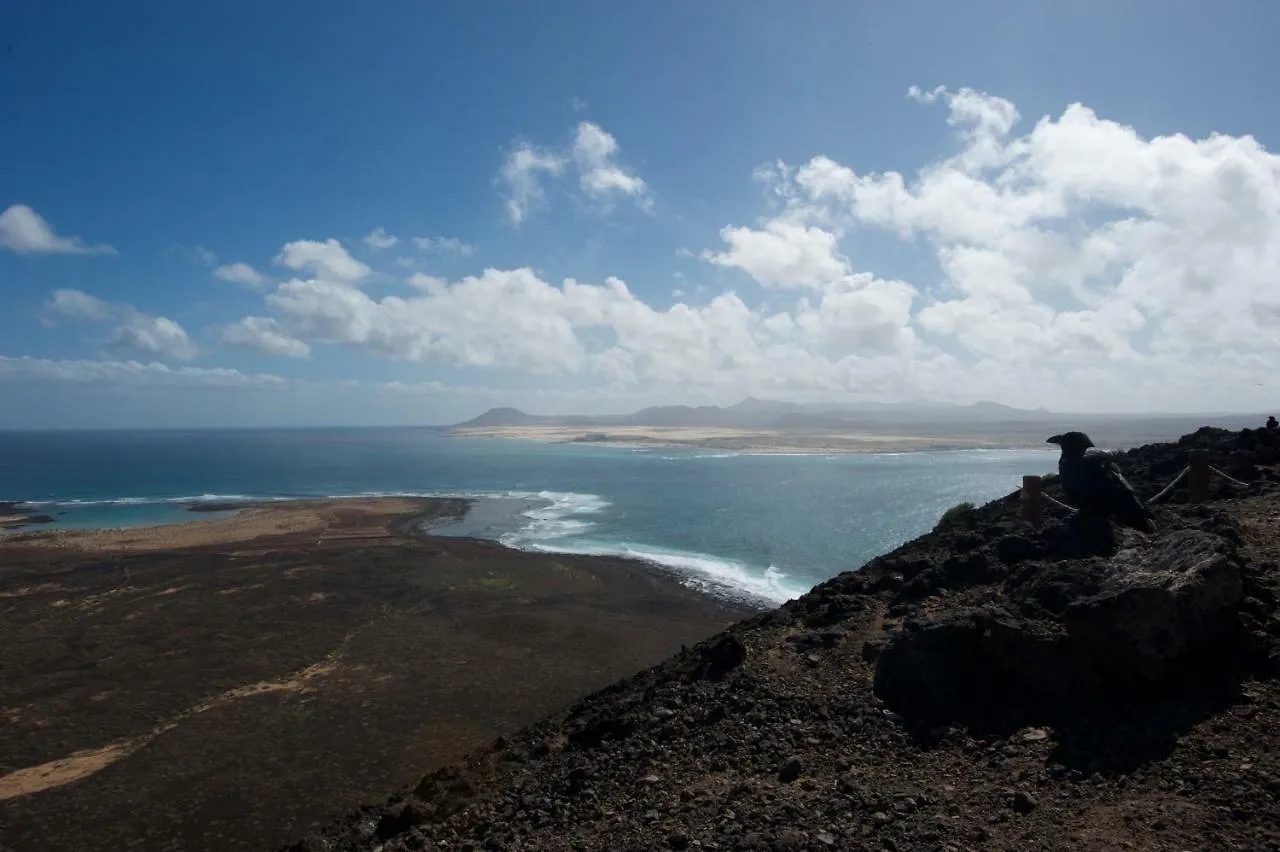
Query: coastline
pixel 252 674
pixel 754 441
pixel 500 521
pixel 250 520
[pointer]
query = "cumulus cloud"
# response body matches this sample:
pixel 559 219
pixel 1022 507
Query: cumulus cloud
pixel 599 175
pixel 30 369
pixel 263 335
pixel 326 260
pixel 593 153
pixel 132 331
pixel 521 179
pixel 149 336
pixel 22 230
pixel 782 254
pixel 445 245
pixel 241 273
pixel 380 239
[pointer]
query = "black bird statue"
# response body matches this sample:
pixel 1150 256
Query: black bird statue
pixel 1094 484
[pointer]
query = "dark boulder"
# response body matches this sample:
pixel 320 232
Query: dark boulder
pixel 720 658
pixel 1085 633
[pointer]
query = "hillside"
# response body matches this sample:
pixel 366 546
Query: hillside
pixel 987 685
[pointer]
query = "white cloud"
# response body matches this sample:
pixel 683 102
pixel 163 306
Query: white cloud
pixel 133 332
pixel 22 230
pixel 521 179
pixel 599 175
pixel 79 305
pixel 241 273
pixel 594 156
pixel 445 245
pixel 262 334
pixel 782 254
pixel 380 239
pixel 205 256
pixel 148 336
pixel 327 260
pixel 28 369
pixel 602 332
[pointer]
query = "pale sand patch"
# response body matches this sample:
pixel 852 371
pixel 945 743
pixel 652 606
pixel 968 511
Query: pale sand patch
pixel 82 764
pixel 297 683
pixel 235 590
pixel 172 590
pixel 28 591
pixel 55 773
pixel 92 601
pixel 285 518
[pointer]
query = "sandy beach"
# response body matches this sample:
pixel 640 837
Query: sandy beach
pixel 786 441
pixel 300 517
pixel 228 683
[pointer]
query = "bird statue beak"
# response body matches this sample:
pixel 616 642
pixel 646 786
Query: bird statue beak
pixel 1056 439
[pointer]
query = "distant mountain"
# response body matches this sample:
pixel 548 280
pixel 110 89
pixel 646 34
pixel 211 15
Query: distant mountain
pixel 754 413
pixel 504 417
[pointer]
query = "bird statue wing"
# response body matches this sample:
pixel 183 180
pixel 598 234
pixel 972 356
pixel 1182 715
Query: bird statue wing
pixel 1114 491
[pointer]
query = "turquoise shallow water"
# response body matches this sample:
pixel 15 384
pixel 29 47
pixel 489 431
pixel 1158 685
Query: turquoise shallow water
pixel 766 526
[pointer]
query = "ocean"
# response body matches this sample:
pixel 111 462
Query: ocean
pixel 768 527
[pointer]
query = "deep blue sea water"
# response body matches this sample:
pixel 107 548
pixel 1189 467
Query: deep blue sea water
pixel 770 526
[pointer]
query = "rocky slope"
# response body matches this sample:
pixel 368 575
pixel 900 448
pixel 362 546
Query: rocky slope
pixel 987 685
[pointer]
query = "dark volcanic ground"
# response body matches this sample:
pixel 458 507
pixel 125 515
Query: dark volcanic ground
pixel 986 686
pixel 230 697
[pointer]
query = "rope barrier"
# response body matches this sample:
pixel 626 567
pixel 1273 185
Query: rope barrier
pixel 1228 478
pixel 1164 492
pixel 1034 500
pixel 1052 502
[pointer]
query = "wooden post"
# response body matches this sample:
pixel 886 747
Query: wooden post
pixel 1032 500
pixel 1198 483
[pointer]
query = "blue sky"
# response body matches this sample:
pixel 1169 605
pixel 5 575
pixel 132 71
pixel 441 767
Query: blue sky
pixel 788 220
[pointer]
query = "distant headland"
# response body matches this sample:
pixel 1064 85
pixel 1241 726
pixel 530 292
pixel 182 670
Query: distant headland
pixel 772 426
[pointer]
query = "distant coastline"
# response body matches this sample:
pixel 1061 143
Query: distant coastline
pixel 777 427
pixel 752 441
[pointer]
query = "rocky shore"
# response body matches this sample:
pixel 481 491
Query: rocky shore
pixel 988 685
pixel 17 515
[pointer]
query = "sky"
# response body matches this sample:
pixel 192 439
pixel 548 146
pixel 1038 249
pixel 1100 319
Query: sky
pixel 321 213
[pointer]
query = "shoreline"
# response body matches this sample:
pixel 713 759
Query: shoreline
pixel 484 520
pixel 406 518
pixel 752 441
pixel 249 520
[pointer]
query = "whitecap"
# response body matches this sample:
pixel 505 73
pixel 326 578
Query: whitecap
pixel 708 574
